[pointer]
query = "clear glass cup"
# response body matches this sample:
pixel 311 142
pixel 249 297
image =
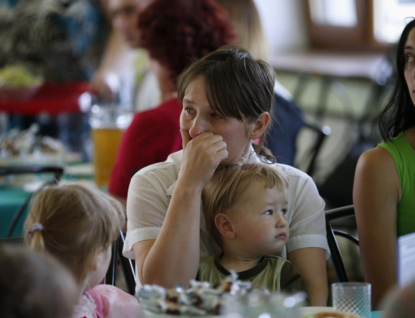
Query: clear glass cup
pixel 108 123
pixel 261 304
pixel 354 298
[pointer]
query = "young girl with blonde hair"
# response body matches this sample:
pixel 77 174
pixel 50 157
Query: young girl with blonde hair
pixel 77 225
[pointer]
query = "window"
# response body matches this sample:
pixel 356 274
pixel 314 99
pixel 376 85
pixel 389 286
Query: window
pixel 357 25
pixel 341 13
pixel 390 17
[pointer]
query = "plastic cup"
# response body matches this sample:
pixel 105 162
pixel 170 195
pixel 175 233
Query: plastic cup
pixel 108 124
pixel 106 142
pixel 261 304
pixel 353 298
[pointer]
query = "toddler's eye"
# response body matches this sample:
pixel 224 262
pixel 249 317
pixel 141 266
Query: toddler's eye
pixel 283 212
pixel 268 212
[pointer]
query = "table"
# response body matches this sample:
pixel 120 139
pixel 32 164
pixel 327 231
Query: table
pixel 52 98
pixel 13 197
pixel 330 66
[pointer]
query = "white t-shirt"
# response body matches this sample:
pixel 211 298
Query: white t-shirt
pixel 150 192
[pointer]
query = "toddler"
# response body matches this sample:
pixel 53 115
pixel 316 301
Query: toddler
pixel 78 225
pixel 245 207
pixel 34 285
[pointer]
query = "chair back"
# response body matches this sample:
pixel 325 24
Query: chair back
pixel 14 241
pixel 57 173
pixel 336 256
pixel 127 266
pixel 288 122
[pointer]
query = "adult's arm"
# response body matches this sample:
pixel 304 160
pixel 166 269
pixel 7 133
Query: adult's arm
pixel 173 257
pixel 307 247
pixel 117 56
pixel 311 263
pixel 376 195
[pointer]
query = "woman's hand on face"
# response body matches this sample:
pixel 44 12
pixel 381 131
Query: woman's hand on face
pixel 201 156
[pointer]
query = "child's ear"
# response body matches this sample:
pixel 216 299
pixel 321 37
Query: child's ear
pixel 99 258
pixel 95 264
pixel 224 225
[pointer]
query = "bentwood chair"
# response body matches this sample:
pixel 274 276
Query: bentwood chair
pixel 336 256
pixel 127 266
pixel 288 123
pixel 55 171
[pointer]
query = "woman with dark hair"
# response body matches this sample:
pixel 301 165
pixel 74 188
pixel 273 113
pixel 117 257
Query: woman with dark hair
pixel 384 184
pixel 227 99
pixel 175 33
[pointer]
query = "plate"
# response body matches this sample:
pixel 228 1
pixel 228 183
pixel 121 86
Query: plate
pixel 33 160
pixel 314 310
pixel 80 170
pixel 150 314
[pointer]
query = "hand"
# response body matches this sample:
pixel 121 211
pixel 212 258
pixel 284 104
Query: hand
pixel 201 156
pixel 105 87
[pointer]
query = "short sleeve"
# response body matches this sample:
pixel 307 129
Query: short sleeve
pixel 305 213
pixel 147 202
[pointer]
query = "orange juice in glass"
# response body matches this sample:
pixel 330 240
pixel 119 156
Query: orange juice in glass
pixel 108 123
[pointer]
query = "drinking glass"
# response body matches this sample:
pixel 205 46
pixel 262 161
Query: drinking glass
pixel 108 124
pixel 260 304
pixel 352 297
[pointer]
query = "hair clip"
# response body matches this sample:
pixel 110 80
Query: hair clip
pixel 35 227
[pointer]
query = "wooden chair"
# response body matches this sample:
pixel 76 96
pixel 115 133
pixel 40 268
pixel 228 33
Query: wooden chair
pixel 322 132
pixel 336 256
pixel 288 122
pixel 57 173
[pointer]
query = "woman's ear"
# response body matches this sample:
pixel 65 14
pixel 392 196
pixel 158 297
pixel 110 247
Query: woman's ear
pixel 224 225
pixel 260 125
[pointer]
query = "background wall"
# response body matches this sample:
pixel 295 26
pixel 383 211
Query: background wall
pixel 283 23
pixel 285 27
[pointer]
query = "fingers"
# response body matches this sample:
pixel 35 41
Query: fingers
pixel 185 137
pixel 202 154
pixel 104 88
pixel 204 143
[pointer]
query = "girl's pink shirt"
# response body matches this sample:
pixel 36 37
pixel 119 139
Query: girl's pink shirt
pixel 107 301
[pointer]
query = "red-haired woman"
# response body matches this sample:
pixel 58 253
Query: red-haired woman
pixel 175 34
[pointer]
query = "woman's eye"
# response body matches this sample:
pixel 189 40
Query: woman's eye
pixel 217 116
pixel 409 58
pixel 188 110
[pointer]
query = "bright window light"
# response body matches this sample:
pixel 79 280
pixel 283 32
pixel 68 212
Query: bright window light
pixel 391 16
pixel 333 12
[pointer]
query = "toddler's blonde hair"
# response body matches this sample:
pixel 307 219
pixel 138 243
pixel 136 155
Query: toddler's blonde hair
pixel 227 184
